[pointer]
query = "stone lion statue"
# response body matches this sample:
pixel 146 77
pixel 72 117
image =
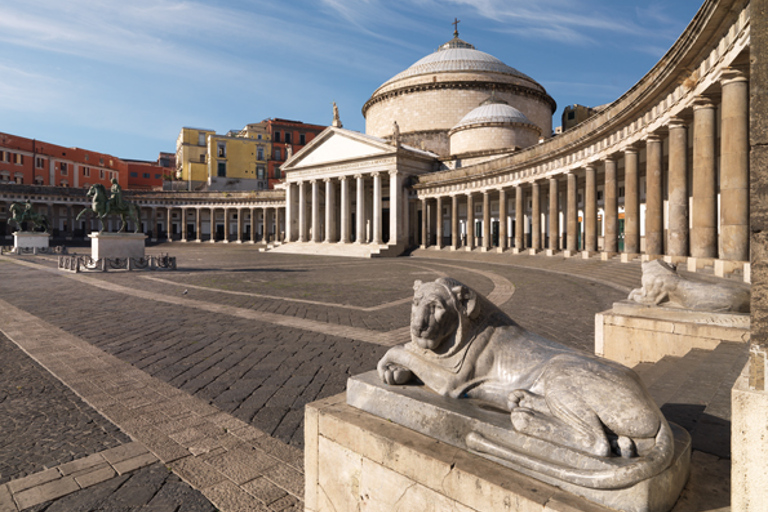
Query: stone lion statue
pixel 464 346
pixel 662 284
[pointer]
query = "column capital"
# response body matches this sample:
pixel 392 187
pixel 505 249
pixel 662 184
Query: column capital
pixel 631 149
pixel 590 167
pixel 376 174
pixel 676 122
pixel 609 158
pixel 343 178
pixel 652 138
pixel 700 102
pixel 313 181
pixel 486 192
pixel 358 176
pixel 394 172
pixel 730 75
pixel 327 180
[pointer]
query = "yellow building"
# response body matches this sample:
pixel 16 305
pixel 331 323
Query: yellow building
pixel 236 160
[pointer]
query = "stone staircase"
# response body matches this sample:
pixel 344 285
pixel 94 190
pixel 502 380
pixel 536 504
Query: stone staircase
pixel 694 391
pixel 336 249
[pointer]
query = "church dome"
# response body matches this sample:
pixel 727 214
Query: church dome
pixel 432 96
pixel 497 113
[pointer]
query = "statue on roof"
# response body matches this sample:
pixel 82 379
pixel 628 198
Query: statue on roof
pixel 396 134
pixel 336 120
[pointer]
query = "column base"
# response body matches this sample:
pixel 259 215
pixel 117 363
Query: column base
pixel 588 254
pixel 626 257
pixel 468 248
pixel 533 252
pixel 501 250
pixel 723 267
pixel 607 255
pixel 694 264
pixel 551 252
pixel 198 241
pixel 676 260
pixel 569 254
pixel 651 257
pixel 454 248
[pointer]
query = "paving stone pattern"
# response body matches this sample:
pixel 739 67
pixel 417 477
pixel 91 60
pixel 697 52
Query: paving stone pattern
pixel 42 422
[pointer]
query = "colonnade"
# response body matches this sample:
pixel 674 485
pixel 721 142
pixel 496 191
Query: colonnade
pixel 688 196
pixel 328 210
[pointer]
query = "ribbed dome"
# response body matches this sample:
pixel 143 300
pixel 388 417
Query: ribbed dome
pixel 457 56
pixel 493 113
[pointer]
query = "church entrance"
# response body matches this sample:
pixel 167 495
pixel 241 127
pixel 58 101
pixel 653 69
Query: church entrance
pixel 385 225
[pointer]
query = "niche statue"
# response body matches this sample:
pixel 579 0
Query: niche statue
pixel 463 346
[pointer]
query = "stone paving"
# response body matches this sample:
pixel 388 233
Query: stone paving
pixel 210 366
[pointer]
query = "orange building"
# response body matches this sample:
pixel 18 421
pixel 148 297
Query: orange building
pixel 32 162
pixel 285 133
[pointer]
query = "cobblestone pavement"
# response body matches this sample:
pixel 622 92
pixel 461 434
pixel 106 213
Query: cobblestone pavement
pixel 259 335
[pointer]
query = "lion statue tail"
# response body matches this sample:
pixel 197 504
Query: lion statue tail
pixel 652 463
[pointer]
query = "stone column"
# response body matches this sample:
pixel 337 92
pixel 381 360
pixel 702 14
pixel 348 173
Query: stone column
pixel 572 216
pixel 184 212
pixel 240 225
pixel 276 223
pixel 519 219
pixel 397 216
pixel 377 209
pixel 153 223
pixel 631 201
pixel 303 227
pixel 590 210
pixel 213 225
pixel 677 241
pixel 289 212
pixel 611 209
pixel 486 221
pixel 424 224
pixel 470 222
pixel 265 224
pixel 252 224
pixel 346 211
pixel 704 211
pixel 554 216
pixel 226 225
pixel 502 219
pixel 330 211
pixel 439 222
pixel 454 222
pixel 316 238
pixel 360 207
pixel 535 217
pixel 168 225
pixel 734 166
pixel 198 225
pixel 654 201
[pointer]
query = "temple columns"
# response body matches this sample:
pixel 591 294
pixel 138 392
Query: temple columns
pixel 677 240
pixel 611 207
pixel 631 201
pixel 704 211
pixel 439 222
pixel 535 217
pixel 470 222
pixel 654 200
pixel 360 215
pixel 377 238
pixel 554 216
pixel 572 221
pixel 315 212
pixel 486 220
pixel 330 211
pixel 346 211
pixel 454 222
pixel 502 219
pixel 590 210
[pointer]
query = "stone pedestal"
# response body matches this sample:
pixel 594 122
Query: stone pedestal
pixel 30 240
pixel 632 333
pixel 358 460
pixel 117 245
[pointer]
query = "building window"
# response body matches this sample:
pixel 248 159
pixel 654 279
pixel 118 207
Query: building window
pixel 277 154
pixel 64 168
pixel 101 161
pixel 38 180
pixel 134 175
pixel 19 158
pixel 157 176
pixel 87 172
pixel 260 153
pixel 201 139
pixel 260 172
pixel 86 157
pixel 277 173
pixel 222 170
pixel 202 157
pixel 146 175
pixel 287 137
pixel 64 183
pixel 258 137
pixel 39 163
pixel 302 139
pixel 101 174
pixel 277 136
pixel 221 150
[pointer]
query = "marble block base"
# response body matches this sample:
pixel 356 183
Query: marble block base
pixel 450 421
pixel 633 333
pixel 31 240
pixel 117 245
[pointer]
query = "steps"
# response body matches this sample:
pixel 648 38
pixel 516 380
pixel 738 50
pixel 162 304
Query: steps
pixel 337 249
pixel 694 391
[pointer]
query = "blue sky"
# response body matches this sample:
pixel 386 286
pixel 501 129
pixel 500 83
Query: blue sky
pixel 123 77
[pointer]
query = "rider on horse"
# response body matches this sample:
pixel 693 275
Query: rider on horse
pixel 116 201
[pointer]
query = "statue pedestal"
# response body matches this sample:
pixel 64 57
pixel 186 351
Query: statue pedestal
pixel 358 460
pixel 30 240
pixel 633 333
pixel 117 245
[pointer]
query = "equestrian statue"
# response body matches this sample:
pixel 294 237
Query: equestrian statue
pixel 24 212
pixel 102 205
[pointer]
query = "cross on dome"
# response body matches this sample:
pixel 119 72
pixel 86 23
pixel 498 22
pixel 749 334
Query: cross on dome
pixel 455 24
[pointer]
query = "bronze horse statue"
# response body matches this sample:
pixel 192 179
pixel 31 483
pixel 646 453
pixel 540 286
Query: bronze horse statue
pixel 102 206
pixel 24 212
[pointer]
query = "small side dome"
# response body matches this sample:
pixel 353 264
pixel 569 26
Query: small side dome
pixel 493 126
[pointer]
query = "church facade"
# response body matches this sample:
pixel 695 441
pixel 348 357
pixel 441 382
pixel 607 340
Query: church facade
pixel 459 154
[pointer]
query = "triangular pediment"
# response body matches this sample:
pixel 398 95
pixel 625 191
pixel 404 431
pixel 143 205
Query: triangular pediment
pixel 336 145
